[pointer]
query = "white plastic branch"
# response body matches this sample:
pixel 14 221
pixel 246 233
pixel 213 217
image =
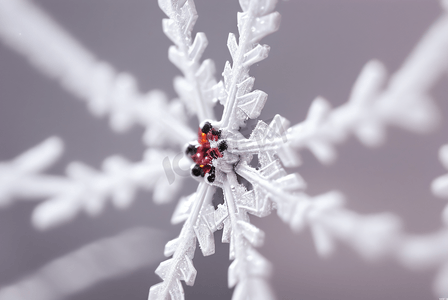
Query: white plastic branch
pixel 198 89
pixel 270 180
pixel 85 189
pixel 249 271
pixel 180 266
pixel 53 51
pixel 92 264
pixel 255 22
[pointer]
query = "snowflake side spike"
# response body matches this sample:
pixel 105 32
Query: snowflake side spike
pixel 198 88
pixel 278 138
pixel 22 178
pixel 180 266
pixel 255 22
pixel 439 186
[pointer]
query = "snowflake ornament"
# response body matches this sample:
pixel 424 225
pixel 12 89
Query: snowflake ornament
pixel 222 153
pixel 250 171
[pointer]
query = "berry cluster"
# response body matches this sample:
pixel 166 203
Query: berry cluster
pixel 203 154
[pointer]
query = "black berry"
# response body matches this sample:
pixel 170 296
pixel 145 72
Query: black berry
pixel 217 133
pixel 222 146
pixel 206 128
pixel 211 175
pixel 211 178
pixel 196 171
pixel 191 150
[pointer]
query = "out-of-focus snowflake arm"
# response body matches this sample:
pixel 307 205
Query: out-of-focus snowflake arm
pixel 249 271
pixel 420 251
pixel 255 22
pixel 53 51
pixel 198 88
pixel 194 211
pixel 89 190
pixel 405 101
pixel 377 236
pixel 372 236
pixel 84 188
pixel 429 251
pixel 92 264
pixel 425 252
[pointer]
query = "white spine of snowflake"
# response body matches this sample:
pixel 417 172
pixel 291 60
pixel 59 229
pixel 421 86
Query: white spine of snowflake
pixel 375 103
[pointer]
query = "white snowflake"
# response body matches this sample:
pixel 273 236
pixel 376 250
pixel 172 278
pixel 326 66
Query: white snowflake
pixel 250 171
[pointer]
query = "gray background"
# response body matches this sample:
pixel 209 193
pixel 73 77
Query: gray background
pixel 319 50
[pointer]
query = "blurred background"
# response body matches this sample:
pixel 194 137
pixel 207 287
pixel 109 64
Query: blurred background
pixel 319 49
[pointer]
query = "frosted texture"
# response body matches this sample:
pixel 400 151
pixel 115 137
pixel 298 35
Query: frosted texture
pixel 377 101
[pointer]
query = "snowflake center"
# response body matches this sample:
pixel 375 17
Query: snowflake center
pixel 206 151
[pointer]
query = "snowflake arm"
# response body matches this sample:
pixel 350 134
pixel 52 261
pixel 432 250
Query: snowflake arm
pixel 255 22
pixel 89 190
pixel 180 266
pixel 428 251
pixel 224 153
pixel 54 52
pixel 324 214
pixel 198 88
pixel 84 188
pixel 405 103
pixel 249 271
